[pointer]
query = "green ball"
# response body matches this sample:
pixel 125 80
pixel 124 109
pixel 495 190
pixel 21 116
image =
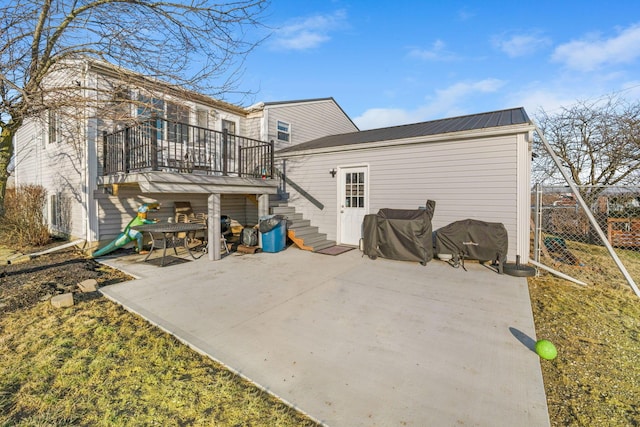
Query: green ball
pixel 546 349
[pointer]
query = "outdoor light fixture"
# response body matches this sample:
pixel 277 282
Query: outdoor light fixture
pixel 333 172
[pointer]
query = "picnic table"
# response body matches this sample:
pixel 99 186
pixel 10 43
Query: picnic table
pixel 172 235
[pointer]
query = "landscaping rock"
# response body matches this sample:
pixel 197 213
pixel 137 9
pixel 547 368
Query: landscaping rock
pixel 89 285
pixel 62 300
pixel 65 288
pixel 45 297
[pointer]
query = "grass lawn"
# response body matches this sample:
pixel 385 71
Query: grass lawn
pixel 595 380
pixel 95 364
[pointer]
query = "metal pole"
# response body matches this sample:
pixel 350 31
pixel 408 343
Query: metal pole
pixel 557 273
pixel 536 224
pixel 586 209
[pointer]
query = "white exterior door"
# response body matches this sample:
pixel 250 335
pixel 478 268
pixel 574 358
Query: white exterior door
pixel 353 203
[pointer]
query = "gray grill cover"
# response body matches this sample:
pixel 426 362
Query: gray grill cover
pixel 400 234
pixel 473 239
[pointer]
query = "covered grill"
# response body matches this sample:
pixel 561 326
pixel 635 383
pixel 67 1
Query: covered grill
pixel 473 239
pixel 399 234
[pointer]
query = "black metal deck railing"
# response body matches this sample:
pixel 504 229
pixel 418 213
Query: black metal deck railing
pixel 162 145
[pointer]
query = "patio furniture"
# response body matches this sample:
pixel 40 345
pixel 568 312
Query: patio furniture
pixel 171 235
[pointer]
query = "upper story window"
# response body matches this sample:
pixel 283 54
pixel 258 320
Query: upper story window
pixel 54 125
pixel 177 123
pixel 284 131
pixel 149 107
pixel 229 126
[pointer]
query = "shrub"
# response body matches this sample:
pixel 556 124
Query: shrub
pixel 23 222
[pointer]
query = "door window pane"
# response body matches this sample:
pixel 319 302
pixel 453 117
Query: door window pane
pixel 354 190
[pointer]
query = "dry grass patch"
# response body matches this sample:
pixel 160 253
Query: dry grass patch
pixel 96 364
pixel 595 380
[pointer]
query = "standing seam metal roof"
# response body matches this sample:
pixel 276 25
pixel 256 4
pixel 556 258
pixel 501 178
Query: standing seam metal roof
pixel 514 116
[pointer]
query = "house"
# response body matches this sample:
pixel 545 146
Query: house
pixel 133 139
pixel 475 166
pixel 289 123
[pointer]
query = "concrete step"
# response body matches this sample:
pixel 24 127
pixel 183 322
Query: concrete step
pixel 323 245
pixel 304 231
pixel 315 239
pixel 283 210
pixel 297 223
pixel 295 217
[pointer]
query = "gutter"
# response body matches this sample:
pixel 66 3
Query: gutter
pixel 442 137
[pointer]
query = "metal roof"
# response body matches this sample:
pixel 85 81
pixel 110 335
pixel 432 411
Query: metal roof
pixel 514 116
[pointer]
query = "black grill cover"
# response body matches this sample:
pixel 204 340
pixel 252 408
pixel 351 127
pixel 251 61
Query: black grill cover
pixel 473 239
pixel 399 234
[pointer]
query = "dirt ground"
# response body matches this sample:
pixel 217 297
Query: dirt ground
pixel 27 282
pixel 594 381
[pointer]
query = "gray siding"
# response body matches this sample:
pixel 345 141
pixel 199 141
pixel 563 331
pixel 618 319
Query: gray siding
pixel 309 120
pixel 472 178
pixel 115 212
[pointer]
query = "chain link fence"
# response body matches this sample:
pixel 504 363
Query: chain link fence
pixel 564 239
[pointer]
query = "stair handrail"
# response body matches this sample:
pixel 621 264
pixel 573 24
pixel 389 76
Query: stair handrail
pixel 317 203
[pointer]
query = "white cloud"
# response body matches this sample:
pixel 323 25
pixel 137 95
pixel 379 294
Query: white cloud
pixel 592 52
pixel 308 33
pixel 436 52
pixel 521 44
pixel 458 91
pixel 446 103
pixel 534 99
pixel 384 117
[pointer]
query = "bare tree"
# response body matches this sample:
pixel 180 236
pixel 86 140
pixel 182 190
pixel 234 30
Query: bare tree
pixel 198 45
pixel 598 142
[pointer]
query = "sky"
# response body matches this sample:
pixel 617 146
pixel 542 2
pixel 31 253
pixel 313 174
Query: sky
pixel 392 63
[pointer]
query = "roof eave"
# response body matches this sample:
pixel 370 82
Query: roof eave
pixel 442 137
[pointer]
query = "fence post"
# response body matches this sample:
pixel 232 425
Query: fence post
pixel 154 142
pixel 587 210
pixel 272 159
pixel 105 169
pixel 537 222
pixel 225 139
pixel 127 153
pixel 283 175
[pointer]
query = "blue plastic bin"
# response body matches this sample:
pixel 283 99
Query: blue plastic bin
pixel 276 239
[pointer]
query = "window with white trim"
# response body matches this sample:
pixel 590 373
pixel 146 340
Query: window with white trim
pixel 54 125
pixel 177 123
pixel 284 131
pixel 55 211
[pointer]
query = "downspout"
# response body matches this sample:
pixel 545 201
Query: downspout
pixel 587 211
pixel 88 212
pixel 85 166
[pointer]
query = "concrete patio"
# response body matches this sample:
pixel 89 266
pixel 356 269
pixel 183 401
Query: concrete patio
pixel 352 341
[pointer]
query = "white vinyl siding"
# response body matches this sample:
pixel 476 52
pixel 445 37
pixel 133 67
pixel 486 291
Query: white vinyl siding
pixel 115 212
pixel 471 178
pixel 308 120
pixel 58 169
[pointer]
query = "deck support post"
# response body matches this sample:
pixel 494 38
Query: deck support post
pixel 213 226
